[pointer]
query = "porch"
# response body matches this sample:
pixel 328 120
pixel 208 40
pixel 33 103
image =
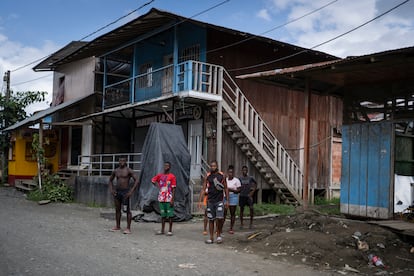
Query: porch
pixel 176 92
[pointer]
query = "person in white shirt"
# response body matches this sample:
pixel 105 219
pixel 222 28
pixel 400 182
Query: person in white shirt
pixel 234 186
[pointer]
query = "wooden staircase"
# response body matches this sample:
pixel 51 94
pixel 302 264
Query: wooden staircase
pixel 249 131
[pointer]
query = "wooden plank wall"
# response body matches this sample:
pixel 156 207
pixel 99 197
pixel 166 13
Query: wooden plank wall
pixel 281 108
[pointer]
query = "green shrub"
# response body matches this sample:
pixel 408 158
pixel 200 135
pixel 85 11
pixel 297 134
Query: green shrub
pixel 53 189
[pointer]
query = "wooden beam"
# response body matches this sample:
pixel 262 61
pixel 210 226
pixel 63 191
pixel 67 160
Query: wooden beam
pixel 69 123
pixel 219 133
pixel 308 105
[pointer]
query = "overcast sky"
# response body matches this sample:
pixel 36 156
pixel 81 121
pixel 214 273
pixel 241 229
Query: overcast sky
pixel 30 30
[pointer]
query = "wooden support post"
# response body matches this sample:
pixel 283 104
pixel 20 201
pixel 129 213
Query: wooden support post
pixel 260 194
pixel 306 146
pixel 219 133
pixel 39 165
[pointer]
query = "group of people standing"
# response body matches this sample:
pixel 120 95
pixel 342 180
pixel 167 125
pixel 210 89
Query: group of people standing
pixel 222 192
pixel 166 183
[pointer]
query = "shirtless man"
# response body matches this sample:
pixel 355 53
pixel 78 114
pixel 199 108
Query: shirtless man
pixel 122 192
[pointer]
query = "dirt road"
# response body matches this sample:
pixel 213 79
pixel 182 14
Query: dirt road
pixel 71 239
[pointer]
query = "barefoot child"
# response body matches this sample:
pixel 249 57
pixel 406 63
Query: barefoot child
pixel 166 182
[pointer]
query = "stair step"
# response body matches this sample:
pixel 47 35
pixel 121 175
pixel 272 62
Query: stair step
pixel 226 116
pixel 268 176
pixel 228 122
pixel 27 185
pixel 242 141
pixel 263 170
pixel 245 148
pixel 253 160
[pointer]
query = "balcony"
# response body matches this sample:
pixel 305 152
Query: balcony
pixel 186 79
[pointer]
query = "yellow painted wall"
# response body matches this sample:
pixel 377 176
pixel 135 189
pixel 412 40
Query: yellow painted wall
pixel 19 165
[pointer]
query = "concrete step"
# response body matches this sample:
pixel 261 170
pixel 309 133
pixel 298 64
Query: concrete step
pixel 25 184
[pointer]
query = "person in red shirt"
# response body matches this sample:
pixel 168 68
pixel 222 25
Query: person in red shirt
pixel 167 183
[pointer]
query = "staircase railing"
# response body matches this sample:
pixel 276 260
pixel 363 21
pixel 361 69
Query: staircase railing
pixel 248 119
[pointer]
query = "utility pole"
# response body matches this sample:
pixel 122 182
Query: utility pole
pixel 7 81
pixel 5 123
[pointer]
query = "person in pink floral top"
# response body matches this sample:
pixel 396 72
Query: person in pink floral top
pixel 167 183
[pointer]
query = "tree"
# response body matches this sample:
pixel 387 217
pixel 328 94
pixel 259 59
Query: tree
pixel 12 110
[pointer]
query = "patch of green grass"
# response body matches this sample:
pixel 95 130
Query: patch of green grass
pixel 323 201
pixel 327 207
pixel 36 195
pixel 263 209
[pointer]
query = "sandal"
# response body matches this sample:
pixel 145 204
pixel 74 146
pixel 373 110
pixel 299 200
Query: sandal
pixel 127 231
pixel 209 241
pixel 204 233
pixel 219 240
pixel 159 233
pixel 231 232
pixel 169 233
pixel 114 229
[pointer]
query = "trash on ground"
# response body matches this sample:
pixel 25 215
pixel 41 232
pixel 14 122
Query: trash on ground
pixel 363 246
pixel 279 254
pixel 375 260
pixel 252 236
pixel 349 268
pixel 187 266
pixel 357 234
pixel 381 245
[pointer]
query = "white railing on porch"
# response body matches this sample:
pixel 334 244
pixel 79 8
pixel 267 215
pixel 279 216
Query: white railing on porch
pixel 105 164
pixel 215 79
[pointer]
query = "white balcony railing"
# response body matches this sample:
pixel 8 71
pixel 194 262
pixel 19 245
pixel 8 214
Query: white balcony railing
pixel 105 164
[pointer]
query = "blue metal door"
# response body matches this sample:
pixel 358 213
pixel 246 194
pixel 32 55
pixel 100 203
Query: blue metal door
pixel 367 170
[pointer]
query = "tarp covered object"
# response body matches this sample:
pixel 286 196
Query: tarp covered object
pixel 165 142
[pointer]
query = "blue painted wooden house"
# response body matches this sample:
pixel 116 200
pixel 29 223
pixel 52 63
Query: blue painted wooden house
pixel 162 67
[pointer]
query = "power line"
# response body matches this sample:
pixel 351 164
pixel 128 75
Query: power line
pixel 142 6
pixel 320 44
pixel 35 61
pixel 23 82
pixel 312 146
pixel 98 30
pixel 273 28
pixel 117 20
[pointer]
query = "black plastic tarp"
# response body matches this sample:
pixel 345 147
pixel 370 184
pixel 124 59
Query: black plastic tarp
pixel 165 142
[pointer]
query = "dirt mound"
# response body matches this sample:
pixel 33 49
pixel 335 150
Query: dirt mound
pixel 327 243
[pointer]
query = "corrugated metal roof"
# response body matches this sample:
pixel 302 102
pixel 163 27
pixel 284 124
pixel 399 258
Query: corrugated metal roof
pixel 72 47
pixel 332 77
pixel 37 117
pixel 289 69
pixel 328 64
pixel 145 24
